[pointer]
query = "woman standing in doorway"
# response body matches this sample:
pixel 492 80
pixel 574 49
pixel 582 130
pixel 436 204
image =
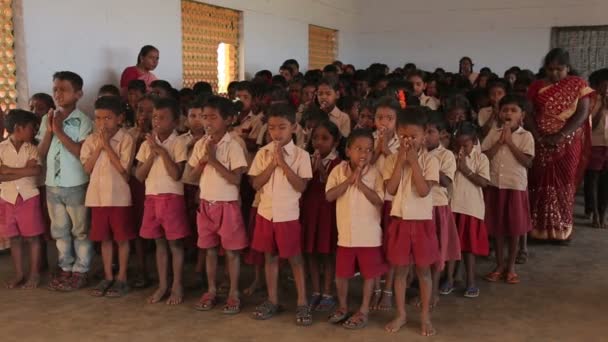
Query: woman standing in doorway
pixel 147 60
pixel 561 129
pixel 466 69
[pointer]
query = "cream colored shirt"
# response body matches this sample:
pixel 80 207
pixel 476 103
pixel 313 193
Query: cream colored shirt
pixel 429 102
pixel 407 204
pixel 188 138
pixel 357 218
pixel 342 120
pixel 251 126
pixel 393 147
pixel 484 115
pixel 599 134
pixel 279 201
pixel 505 171
pixel 26 187
pixel 231 155
pixel 158 181
pixel 467 198
pixel 447 165
pixel 107 187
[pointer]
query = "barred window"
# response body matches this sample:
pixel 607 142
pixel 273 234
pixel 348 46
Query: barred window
pixel 587 46
pixel 322 46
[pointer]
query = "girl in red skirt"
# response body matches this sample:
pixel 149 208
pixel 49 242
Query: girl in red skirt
pixel 319 216
pixel 472 175
pixel 510 149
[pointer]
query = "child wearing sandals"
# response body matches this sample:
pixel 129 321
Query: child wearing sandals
pixel 20 197
pixel 510 149
pixel 161 159
pixel 472 175
pixel 319 216
pixel 107 156
pixel 411 236
pixel 358 189
pixel 219 162
pixel 280 171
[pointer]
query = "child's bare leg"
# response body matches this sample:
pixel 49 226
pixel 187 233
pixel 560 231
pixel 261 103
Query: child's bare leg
pixel 450 271
pixel 342 289
pixel 513 244
pixel 211 269
pixel 44 258
pixel 500 254
pixel 329 265
pixel 177 255
pixel 200 262
pixel 469 259
pixel 400 288
pixel 436 275
pixel 33 279
pixel 315 275
pixel 257 281
pixel 124 248
pixel 271 270
pixel 107 255
pixel 233 261
pixel 386 303
pixel 368 289
pixel 425 284
pixel 162 259
pixel 297 267
pixel 17 256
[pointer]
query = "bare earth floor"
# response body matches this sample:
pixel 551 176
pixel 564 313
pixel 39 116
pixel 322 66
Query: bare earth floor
pixel 562 297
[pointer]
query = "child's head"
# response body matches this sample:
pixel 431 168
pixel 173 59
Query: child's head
pixel 165 116
pixel 309 90
pixel 41 103
pixel 361 83
pixel 312 117
pixel 67 88
pixel 287 72
pixel 327 93
pixel 385 114
pixel 457 110
pixel 366 114
pixel 325 137
pixel 278 80
pixel 598 80
pixel 108 113
pixel 436 130
pixel 218 113
pixel 466 137
pixel 432 86
pixel 21 125
pixel 108 90
pixel 264 76
pixel 145 109
pixel 295 66
pixel 244 92
pixel 136 89
pixel 281 123
pixel 497 90
pixel 330 71
pixel 195 116
pixel 412 125
pixel 360 147
pixel 232 90
pixel 148 57
pixel 416 78
pixel 202 89
pixel 482 80
pixel 295 92
pixel 511 76
pixel 513 109
pixel 466 66
pixel 350 106
pixel 161 88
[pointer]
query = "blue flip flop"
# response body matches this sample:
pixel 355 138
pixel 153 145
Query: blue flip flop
pixel 446 289
pixel 471 292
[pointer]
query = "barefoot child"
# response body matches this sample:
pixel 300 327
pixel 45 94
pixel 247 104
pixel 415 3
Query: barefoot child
pixel 19 196
pixel 161 159
pixel 510 149
pixel 411 236
pixel 472 175
pixel 107 156
pixel 358 189
pixel 280 171
pixel 319 217
pixel 218 161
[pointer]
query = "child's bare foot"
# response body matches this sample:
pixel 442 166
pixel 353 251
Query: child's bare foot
pixel 427 329
pixel 386 303
pixel 176 297
pixel 376 297
pixel 158 295
pixel 253 288
pixel 32 282
pixel 417 302
pixel 15 282
pixel 396 324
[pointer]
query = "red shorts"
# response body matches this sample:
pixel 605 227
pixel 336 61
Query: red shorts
pixel 24 218
pixel 112 223
pixel 221 222
pixel 164 217
pixel 282 237
pixel 507 212
pixel 411 242
pixel 369 260
pixel 473 235
pixel 599 158
pixel 447 235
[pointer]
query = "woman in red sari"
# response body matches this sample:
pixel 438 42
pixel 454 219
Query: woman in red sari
pixel 147 60
pixel 561 129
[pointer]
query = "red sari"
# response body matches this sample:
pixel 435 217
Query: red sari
pixel 557 170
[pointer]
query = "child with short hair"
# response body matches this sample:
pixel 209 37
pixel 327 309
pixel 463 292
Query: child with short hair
pixel 472 175
pixel 280 172
pixel 107 156
pixel 40 104
pixel 417 79
pixel 135 91
pixel 487 118
pixel 250 119
pixel 327 94
pixel 61 135
pixel 319 216
pixel 19 196
pixel 366 115
pixel 510 149
pixel 161 159
pixel 218 162
pixel 411 237
pixel 357 187
pixel 108 90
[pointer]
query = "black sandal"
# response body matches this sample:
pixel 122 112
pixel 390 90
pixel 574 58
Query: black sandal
pixel 118 289
pixel 303 316
pixel 101 288
pixel 265 311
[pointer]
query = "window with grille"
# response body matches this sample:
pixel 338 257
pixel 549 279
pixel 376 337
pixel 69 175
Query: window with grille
pixel 8 78
pixel 322 46
pixel 210 40
pixel 587 46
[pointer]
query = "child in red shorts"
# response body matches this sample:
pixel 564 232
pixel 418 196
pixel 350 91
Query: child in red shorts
pixel 411 236
pixel 358 189
pixel 219 162
pixel 161 159
pixel 19 197
pixel 107 156
pixel 280 171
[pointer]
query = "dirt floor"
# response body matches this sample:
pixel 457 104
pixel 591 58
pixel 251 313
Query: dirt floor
pixel 562 297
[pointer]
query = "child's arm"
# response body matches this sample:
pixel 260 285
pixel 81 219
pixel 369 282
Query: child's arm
pixel 597 117
pixel 114 158
pixel 260 180
pixel 370 194
pixel 335 192
pixel 231 176
pixel 47 137
pixel 524 159
pixel 423 187
pixel 297 182
pixel 175 170
pixel 494 149
pixel 90 162
pixel 393 182
pixel 444 180
pixel 67 142
pixel 145 158
pixel 470 174
pixel 31 169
